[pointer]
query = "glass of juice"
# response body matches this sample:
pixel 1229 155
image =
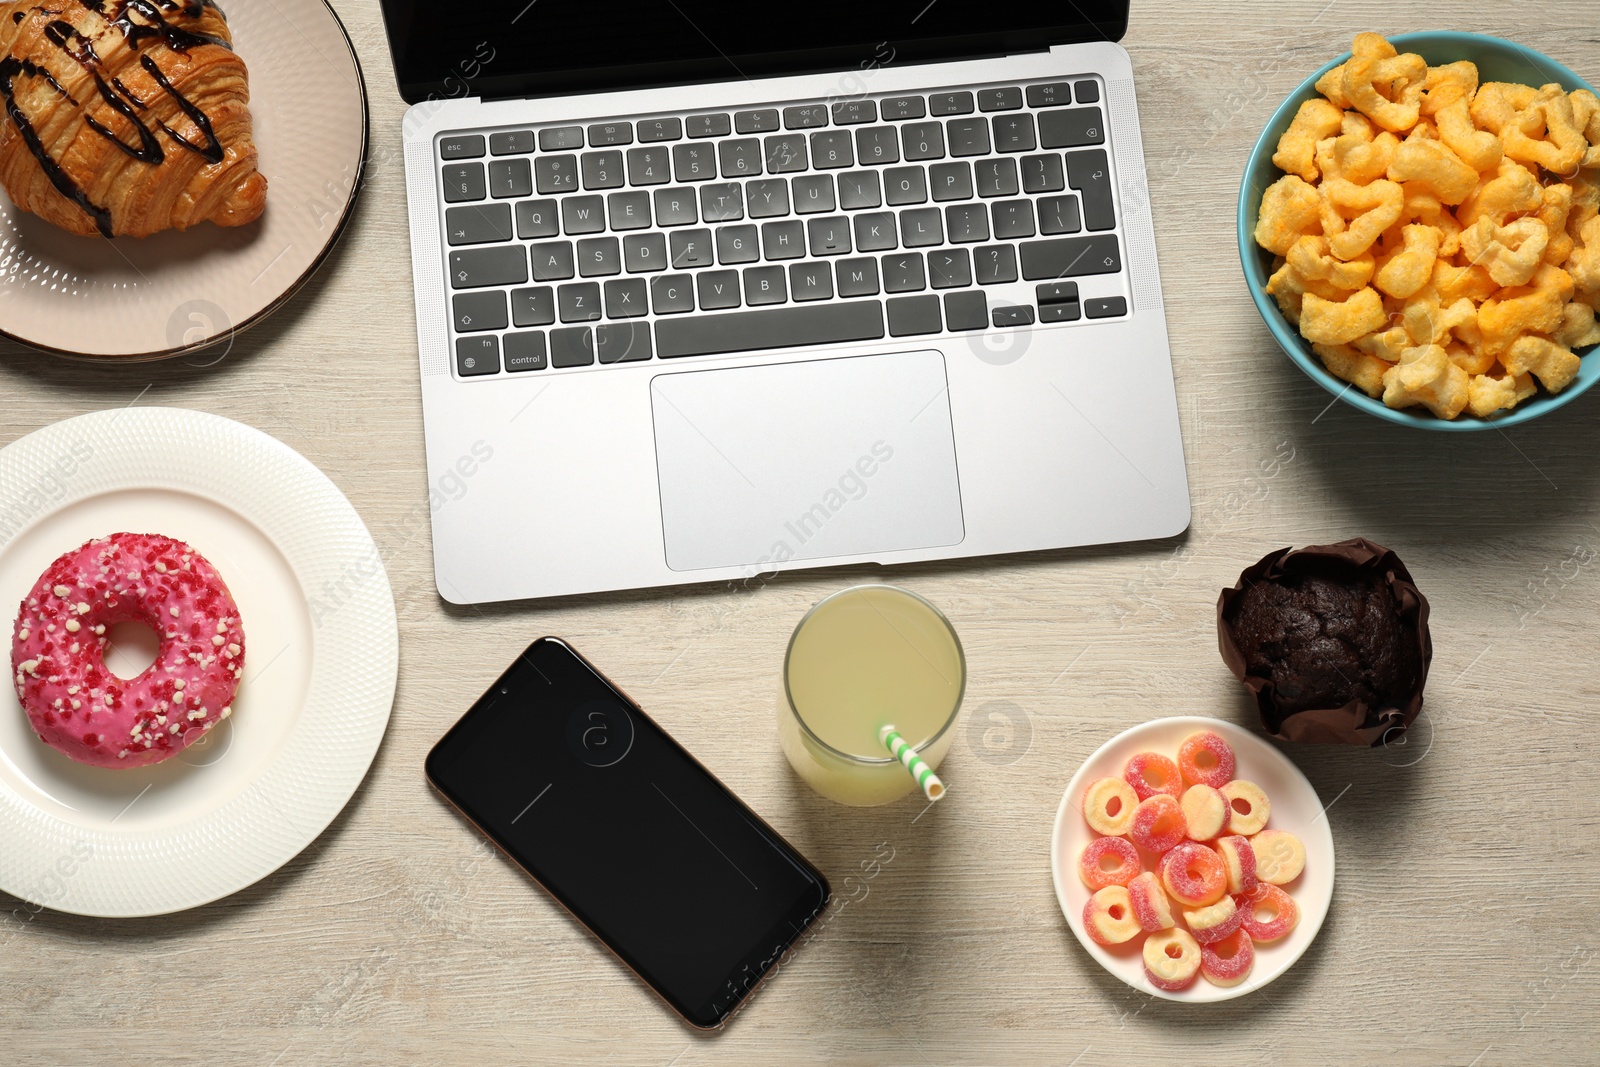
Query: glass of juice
pixel 864 658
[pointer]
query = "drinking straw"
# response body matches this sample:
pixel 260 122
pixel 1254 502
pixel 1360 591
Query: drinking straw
pixel 901 750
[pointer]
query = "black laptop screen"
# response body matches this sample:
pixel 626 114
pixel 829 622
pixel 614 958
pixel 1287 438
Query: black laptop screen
pixel 498 48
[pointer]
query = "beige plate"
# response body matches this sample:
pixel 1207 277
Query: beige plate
pixel 153 297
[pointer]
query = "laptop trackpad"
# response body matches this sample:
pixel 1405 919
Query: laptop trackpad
pixel 834 457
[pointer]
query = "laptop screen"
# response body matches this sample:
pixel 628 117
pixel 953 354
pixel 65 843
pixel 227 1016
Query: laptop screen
pixel 500 48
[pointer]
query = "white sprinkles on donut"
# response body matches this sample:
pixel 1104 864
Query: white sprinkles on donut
pixel 74 702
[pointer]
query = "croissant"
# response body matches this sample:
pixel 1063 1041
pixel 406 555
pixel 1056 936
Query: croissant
pixel 126 116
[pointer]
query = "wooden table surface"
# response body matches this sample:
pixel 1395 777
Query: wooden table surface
pixel 1465 923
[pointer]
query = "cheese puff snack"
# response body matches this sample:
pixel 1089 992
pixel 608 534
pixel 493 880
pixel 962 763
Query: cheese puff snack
pixel 1317 119
pixel 1437 237
pixel 1510 253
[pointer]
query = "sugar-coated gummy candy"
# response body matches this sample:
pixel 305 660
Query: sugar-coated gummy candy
pixel 1214 921
pixel 1205 758
pixel 1151 773
pixel 1157 824
pixel 1108 806
pixel 1193 875
pixel 1150 904
pixel 1108 861
pixel 1268 913
pixel 1108 916
pixel 1228 962
pixel 1248 807
pixel 1171 959
pixel 1239 862
pixel 1205 812
pixel 1280 856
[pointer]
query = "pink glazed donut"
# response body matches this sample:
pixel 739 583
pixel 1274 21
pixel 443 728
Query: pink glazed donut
pixel 76 705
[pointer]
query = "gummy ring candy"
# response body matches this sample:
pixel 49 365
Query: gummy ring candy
pixel 1205 758
pixel 1204 812
pixel 1150 904
pixel 1157 824
pixel 1268 913
pixel 1171 959
pixel 1249 807
pixel 1108 916
pixel 1108 861
pixel 1239 861
pixel 1280 857
pixel 1193 875
pixel 1228 962
pixel 1150 773
pixel 1213 922
pixel 1108 806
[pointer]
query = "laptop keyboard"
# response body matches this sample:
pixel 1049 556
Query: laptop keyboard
pixel 665 237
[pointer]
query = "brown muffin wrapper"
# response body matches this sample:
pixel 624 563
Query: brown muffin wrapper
pixel 1347 724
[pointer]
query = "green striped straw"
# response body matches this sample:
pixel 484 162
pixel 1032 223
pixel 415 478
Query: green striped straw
pixel 901 750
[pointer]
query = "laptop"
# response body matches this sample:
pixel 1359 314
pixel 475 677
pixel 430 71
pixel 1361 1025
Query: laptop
pixel 705 293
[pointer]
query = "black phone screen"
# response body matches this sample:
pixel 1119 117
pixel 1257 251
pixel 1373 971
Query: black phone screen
pixel 628 831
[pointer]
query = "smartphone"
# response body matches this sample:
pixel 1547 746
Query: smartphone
pixel 617 821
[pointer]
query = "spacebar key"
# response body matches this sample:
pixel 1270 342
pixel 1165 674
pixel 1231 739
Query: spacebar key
pixel 742 331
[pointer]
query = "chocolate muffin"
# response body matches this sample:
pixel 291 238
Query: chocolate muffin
pixel 1331 639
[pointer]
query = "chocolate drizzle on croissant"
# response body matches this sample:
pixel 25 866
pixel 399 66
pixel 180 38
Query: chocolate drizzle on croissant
pixel 10 67
pixel 65 37
pixel 93 45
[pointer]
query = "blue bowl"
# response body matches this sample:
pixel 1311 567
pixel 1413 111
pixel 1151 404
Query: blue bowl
pixel 1497 60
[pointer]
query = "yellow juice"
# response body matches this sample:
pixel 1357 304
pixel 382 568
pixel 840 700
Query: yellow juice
pixel 864 658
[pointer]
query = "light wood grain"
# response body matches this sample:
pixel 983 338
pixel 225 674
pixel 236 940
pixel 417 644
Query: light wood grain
pixel 1465 918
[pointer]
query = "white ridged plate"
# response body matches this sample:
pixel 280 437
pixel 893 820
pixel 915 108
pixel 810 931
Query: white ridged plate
pixel 1295 807
pixel 321 658
pixel 152 297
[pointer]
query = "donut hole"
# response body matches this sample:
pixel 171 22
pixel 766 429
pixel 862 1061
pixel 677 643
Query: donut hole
pixel 1154 776
pixel 130 649
pixel 1241 805
pixel 1266 913
pixel 1175 951
pixel 1205 759
pixel 1113 806
pixel 1227 949
pixel 1115 911
pixel 1110 861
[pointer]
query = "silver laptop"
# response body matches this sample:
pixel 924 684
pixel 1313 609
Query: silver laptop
pixel 704 294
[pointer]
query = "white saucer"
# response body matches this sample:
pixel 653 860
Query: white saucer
pixel 1295 807
pixel 319 677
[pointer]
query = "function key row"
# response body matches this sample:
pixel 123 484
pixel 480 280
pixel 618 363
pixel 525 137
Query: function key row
pixel 799 117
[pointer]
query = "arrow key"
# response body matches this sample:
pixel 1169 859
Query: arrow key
pixel 1106 307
